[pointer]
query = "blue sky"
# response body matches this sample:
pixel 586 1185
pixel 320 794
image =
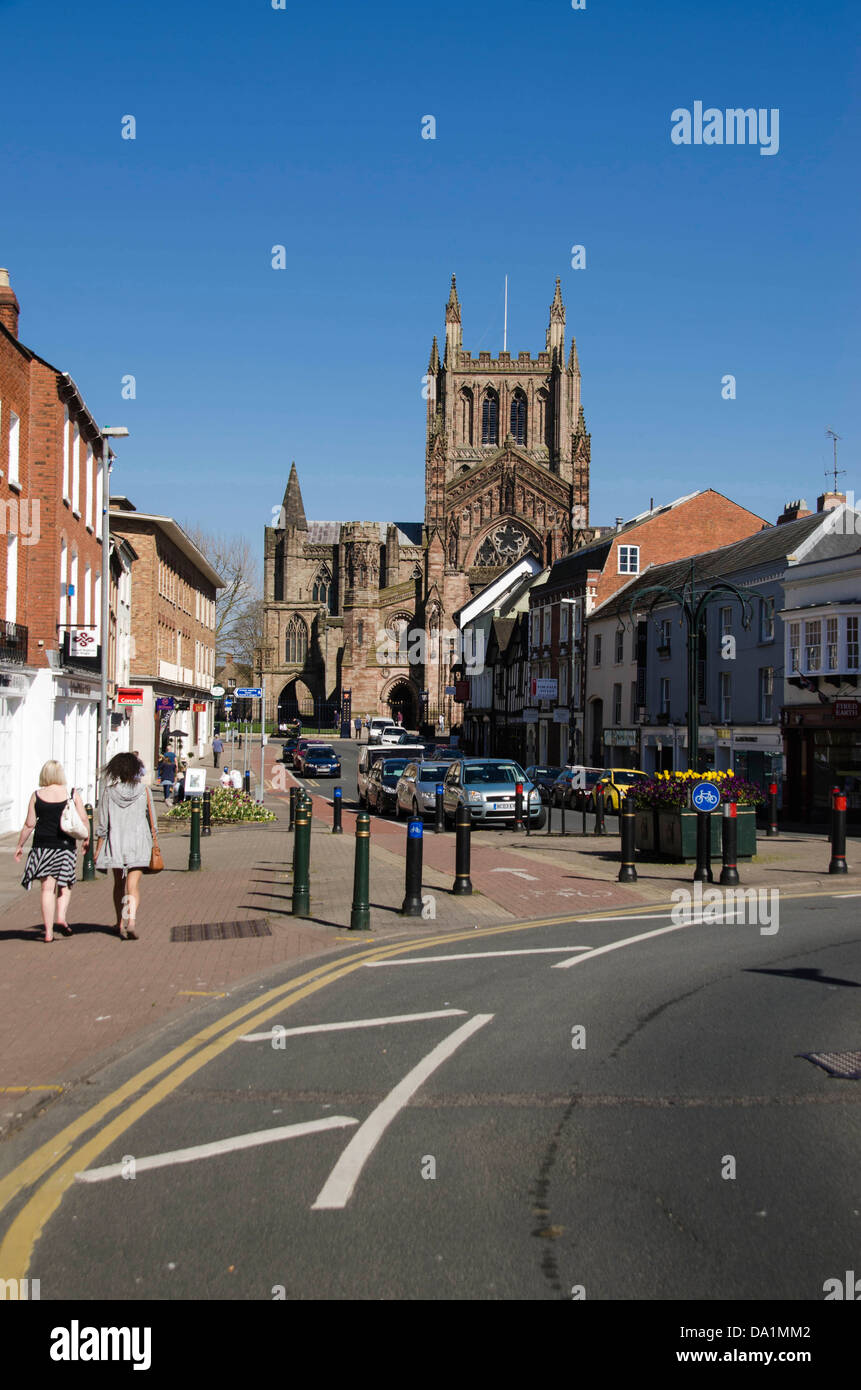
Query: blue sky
pixel 302 127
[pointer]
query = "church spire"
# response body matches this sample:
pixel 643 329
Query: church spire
pixel 433 365
pixel 556 331
pixel 453 330
pixel 292 509
pixel 573 358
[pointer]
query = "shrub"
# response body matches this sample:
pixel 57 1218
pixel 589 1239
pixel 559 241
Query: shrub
pixel 227 807
pixel 668 791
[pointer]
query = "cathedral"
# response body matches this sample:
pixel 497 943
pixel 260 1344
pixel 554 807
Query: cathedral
pixel 506 474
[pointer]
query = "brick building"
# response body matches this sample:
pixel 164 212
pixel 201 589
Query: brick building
pixel 367 606
pixel 50 571
pixel 173 632
pixel 565 732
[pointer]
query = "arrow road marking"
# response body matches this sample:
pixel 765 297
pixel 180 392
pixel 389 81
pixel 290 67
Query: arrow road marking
pixel 277 1032
pixel 220 1146
pixel 628 941
pixel 338 1188
pixel 478 955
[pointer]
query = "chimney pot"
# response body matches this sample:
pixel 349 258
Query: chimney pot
pixel 9 306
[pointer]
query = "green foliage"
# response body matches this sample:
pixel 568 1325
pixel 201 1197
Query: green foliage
pixel 228 807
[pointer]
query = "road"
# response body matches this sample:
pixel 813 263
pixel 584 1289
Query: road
pixel 612 1107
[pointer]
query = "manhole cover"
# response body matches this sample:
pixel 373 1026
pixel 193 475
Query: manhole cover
pixel 220 931
pixel 844 1064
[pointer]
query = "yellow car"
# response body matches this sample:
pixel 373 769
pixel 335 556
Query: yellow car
pixel 616 782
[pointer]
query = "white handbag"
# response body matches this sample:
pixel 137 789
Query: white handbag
pixel 70 821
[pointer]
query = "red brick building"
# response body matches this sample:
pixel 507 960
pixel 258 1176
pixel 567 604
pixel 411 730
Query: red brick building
pixel 580 581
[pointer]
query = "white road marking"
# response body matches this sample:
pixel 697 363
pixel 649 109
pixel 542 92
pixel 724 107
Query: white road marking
pixel 479 955
pixel 518 873
pixel 351 1023
pixel 220 1146
pixel 628 941
pixel 846 895
pixel 338 1188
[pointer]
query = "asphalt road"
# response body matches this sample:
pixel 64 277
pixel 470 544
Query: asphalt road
pixel 477 1147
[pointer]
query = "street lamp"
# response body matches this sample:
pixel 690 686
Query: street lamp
pixel 693 603
pixel 109 432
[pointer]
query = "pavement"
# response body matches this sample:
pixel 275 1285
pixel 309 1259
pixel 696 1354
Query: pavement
pixel 66 1012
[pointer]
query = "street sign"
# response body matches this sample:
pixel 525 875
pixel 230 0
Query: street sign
pixel 129 695
pixel 228 704
pixel 165 702
pixel 249 692
pixel 217 691
pixel 705 797
pixel 199 706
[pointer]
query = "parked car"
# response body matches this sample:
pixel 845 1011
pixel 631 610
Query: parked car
pixel 417 788
pixel 616 781
pixel 302 746
pixel 392 734
pixel 573 785
pixel 487 787
pixel 371 754
pixel 378 723
pixel 321 761
pixel 288 748
pixel 543 777
pixel 382 787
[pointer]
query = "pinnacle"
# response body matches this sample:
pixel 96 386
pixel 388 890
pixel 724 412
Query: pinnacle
pixel 292 508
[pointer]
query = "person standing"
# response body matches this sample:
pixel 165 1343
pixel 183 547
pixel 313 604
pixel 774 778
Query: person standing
pixel 124 837
pixel 217 750
pixel 53 859
pixel 167 773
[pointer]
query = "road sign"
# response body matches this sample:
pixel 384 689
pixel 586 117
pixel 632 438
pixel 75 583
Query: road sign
pixel 228 704
pixel 249 692
pixel 705 797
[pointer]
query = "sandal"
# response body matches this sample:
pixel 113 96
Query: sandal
pixel 131 934
pixel 64 928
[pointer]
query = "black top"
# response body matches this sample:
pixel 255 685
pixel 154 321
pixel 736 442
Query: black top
pixel 48 834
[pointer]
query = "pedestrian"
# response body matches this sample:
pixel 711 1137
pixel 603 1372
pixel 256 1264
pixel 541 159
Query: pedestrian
pixel 167 773
pixel 124 837
pixel 54 855
pixel 368 726
pixel 358 724
pixel 440 723
pixel 217 750
pixel 226 780
pixel 400 719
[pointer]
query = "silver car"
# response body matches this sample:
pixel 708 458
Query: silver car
pixel 488 788
pixel 417 788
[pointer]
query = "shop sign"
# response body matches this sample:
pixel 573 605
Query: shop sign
pixel 621 738
pixel 530 716
pixel 723 735
pixel 83 642
pixel 165 702
pixel 129 695
pixel 561 715
pixel 545 688
pixel 846 709
pixel 199 707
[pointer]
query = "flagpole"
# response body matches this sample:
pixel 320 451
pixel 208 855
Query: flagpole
pixel 505 326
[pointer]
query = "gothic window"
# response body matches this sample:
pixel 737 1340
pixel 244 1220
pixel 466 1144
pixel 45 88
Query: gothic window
pixel 322 590
pixel 296 645
pixel 490 418
pixel 504 545
pixel 518 417
pixel 466 416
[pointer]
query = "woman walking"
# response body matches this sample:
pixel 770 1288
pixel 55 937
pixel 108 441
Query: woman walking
pixel 124 837
pixel 53 860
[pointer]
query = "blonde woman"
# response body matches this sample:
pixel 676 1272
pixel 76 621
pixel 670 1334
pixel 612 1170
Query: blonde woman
pixel 123 836
pixel 53 859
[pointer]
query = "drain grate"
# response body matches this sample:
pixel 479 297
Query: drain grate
pixel 843 1064
pixel 220 931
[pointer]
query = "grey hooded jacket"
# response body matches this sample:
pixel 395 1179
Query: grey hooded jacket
pixel 123 825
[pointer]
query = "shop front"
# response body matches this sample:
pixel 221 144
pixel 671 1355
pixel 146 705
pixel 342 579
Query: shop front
pixel 822 744
pixel 75 736
pixel 757 756
pixel 622 748
pixel 15 788
pixel 665 749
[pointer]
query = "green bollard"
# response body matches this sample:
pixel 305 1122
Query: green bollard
pixel 194 846
pixel 301 903
pixel 360 913
pixel 88 871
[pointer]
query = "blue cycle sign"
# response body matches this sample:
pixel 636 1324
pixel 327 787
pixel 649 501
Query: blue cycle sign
pixel 705 797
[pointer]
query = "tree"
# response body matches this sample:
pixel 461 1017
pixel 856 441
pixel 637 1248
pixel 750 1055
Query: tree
pixel 239 605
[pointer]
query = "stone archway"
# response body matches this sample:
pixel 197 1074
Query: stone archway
pixel 401 698
pixel 296 701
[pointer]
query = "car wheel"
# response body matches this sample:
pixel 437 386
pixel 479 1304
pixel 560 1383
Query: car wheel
pixel 540 820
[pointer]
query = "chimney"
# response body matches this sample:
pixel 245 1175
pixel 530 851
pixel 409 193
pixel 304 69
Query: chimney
pixel 829 500
pixel 620 521
pixel 794 511
pixel 9 306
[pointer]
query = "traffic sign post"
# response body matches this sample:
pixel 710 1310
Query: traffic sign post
pixel 705 798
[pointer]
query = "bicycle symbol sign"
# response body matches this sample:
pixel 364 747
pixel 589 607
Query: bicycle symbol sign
pixel 705 797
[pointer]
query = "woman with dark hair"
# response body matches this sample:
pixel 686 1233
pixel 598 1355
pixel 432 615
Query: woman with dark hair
pixel 124 836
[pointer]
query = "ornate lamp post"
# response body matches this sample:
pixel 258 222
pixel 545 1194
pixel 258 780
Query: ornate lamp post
pixel 693 599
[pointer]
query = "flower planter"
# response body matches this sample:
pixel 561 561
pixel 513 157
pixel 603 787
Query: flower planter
pixel 646 832
pixel 677 833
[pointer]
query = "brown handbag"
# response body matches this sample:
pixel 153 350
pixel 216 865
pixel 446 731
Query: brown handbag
pixel 156 863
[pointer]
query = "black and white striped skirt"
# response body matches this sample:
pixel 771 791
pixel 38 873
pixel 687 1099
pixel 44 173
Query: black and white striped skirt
pixel 48 861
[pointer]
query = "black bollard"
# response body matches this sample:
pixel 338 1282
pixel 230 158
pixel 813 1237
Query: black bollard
pixel 439 813
pixel 88 870
pixel 292 820
pixel 729 844
pixel 412 903
pixel 194 844
pixel 337 800
pixel 703 871
pixel 518 806
pixel 360 912
pixel 562 813
pixel 301 902
pixel 528 808
pixel 599 810
pixel 463 826
pixel 627 821
pixel 206 823
pixel 838 834
pixel 772 809
pixel 549 813
pixel 248 782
